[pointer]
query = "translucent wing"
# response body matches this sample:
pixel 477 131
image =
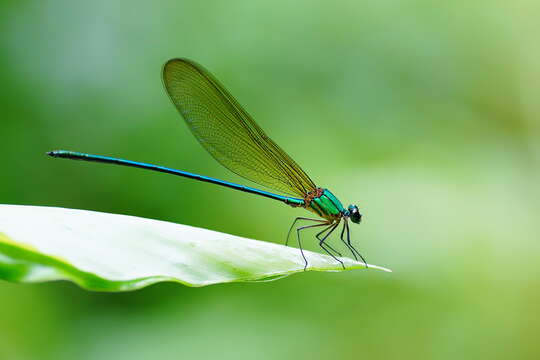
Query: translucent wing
pixel 227 131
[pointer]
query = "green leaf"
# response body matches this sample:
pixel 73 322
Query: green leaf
pixel 109 252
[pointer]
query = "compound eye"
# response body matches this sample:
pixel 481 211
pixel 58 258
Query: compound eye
pixel 355 215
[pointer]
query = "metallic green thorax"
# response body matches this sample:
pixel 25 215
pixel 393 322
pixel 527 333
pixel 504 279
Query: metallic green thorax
pixel 326 206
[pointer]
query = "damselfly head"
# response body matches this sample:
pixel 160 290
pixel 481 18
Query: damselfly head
pixel 354 214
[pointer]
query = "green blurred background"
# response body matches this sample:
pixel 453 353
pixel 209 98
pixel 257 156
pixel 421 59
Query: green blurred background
pixel 425 113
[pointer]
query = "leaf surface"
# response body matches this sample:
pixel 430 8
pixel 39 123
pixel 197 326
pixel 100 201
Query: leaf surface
pixel 110 252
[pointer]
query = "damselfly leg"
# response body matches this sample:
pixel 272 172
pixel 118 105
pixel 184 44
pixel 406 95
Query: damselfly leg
pixel 322 236
pixel 323 245
pixel 300 241
pixel 318 236
pixel 300 219
pixel 348 243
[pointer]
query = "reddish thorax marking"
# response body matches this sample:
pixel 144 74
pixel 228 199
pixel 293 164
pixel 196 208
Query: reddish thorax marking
pixel 312 195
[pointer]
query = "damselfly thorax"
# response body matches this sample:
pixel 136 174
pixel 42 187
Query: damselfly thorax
pixel 324 204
